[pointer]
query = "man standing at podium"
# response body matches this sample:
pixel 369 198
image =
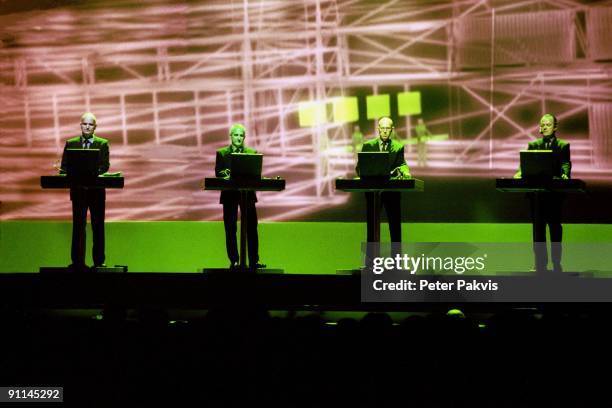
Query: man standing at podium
pixel 546 207
pixel 88 198
pixel 231 200
pixel 397 167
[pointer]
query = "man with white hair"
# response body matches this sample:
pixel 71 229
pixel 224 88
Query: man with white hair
pixel 231 201
pixel 88 198
pixel 397 167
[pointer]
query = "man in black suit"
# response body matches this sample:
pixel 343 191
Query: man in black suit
pixel 397 167
pixel 546 207
pixel 88 198
pixel 231 201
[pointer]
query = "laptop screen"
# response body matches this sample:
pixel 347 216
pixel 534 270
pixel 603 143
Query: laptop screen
pixel 373 164
pixel 537 164
pixel 246 165
pixel 82 163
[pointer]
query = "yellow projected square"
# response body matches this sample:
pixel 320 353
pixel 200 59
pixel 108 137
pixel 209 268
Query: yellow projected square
pixel 378 106
pixel 311 113
pixel 409 103
pixel 345 109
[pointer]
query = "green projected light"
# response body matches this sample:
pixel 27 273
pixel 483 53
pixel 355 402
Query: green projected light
pixel 345 109
pixel 409 103
pixel 311 113
pixel 378 106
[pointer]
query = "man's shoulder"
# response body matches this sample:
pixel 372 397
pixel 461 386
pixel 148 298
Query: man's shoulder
pixel 372 143
pixel 562 143
pixel 396 145
pixel 250 150
pixel 535 143
pixel 99 139
pixel 224 150
pixel 74 140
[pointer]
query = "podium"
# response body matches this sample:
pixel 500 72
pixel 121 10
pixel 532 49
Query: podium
pixel 62 181
pixel 512 185
pixel 538 189
pixel 243 186
pixel 377 186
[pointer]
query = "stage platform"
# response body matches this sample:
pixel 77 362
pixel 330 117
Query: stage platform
pixel 199 291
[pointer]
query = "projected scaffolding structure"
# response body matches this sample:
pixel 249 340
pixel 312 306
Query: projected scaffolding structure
pixel 167 79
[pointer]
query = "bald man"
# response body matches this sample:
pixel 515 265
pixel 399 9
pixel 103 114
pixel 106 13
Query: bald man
pixel 391 201
pixel 83 198
pixel 549 205
pixel 231 200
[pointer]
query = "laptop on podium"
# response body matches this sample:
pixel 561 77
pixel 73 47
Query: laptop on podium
pixel 373 165
pixel 537 164
pixel 82 164
pixel 246 166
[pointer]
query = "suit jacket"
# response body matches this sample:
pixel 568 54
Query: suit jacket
pixel 223 162
pixel 103 165
pixel 396 154
pixel 561 152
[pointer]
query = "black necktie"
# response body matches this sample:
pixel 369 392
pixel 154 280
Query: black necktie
pixel 86 143
pixel 385 147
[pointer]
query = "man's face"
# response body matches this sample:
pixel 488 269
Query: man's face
pixel 385 129
pixel 547 126
pixel 237 137
pixel 88 126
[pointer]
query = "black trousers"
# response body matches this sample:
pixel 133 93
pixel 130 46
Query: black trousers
pixel 546 210
pixel 230 217
pixel 95 201
pixel 391 202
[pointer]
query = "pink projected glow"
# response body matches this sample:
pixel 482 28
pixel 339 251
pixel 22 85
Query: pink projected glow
pixel 166 80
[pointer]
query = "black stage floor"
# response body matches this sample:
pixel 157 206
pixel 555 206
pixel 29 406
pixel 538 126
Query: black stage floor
pixel 273 292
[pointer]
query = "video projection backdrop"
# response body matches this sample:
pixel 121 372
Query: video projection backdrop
pixel 166 79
